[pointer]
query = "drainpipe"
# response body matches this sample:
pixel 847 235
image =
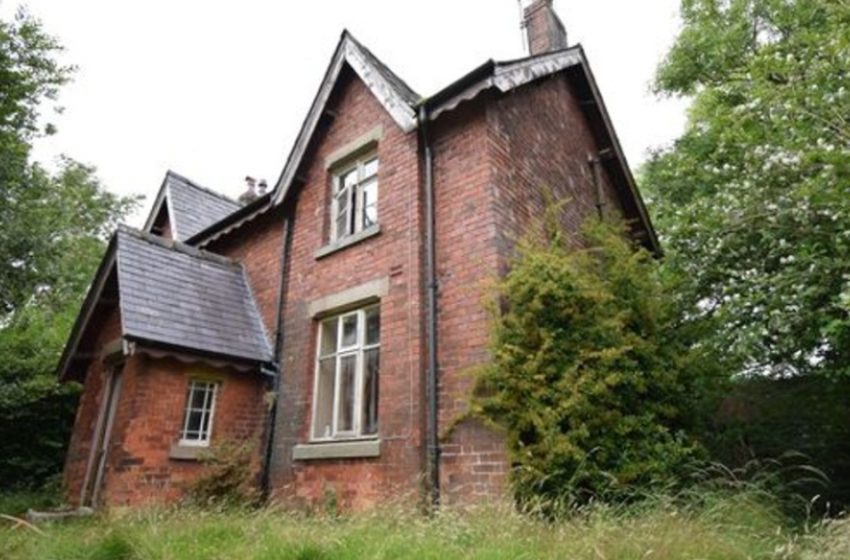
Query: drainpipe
pixel 277 364
pixel 595 163
pixel 432 435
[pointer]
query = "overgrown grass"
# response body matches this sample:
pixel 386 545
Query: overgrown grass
pixel 723 527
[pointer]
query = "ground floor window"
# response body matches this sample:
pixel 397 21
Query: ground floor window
pixel 345 399
pixel 198 418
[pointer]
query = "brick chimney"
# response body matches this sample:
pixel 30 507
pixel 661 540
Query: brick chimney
pixel 543 28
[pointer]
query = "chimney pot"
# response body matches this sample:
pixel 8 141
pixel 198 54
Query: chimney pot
pixel 544 30
pixel 250 193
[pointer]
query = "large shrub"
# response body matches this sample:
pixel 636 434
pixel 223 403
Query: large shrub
pixel 593 376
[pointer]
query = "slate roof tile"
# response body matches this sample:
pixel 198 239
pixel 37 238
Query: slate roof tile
pixel 194 208
pixel 178 295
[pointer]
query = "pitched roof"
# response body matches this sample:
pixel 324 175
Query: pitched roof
pixel 509 75
pixel 178 296
pixel 191 207
pixel 404 106
pixel 393 93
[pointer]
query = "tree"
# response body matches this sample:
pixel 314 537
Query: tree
pixel 753 201
pixel 594 380
pixel 52 237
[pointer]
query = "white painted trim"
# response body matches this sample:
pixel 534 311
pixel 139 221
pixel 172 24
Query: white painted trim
pixel 512 75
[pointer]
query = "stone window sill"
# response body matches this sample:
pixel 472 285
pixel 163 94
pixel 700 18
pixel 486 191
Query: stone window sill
pixel 348 241
pixel 337 450
pixel 187 452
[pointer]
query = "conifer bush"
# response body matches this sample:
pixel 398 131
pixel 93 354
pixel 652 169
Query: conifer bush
pixel 594 378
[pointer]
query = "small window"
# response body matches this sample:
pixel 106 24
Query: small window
pixel 354 206
pixel 345 401
pixel 200 406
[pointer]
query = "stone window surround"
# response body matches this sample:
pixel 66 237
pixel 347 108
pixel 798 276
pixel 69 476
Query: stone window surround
pixel 339 158
pixel 352 298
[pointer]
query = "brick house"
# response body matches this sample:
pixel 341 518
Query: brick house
pixel 331 322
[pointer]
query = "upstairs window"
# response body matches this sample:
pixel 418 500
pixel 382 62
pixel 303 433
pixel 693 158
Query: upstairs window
pixel 345 400
pixel 354 207
pixel 198 417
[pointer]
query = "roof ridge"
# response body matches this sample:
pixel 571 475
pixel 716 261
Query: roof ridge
pixel 207 190
pixel 177 246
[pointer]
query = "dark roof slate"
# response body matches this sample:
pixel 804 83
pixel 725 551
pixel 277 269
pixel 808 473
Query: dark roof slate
pixel 193 208
pixel 180 296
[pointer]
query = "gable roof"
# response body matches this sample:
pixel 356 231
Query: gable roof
pixel 178 296
pixel 509 75
pixel 393 93
pixel 404 105
pixel 191 208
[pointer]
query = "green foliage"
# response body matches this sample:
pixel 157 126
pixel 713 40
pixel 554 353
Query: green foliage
pixel 802 424
pixel 52 237
pixel 228 479
pixel 65 216
pixel 593 379
pixel 753 201
pixel 716 527
pixel 17 502
pixel 29 75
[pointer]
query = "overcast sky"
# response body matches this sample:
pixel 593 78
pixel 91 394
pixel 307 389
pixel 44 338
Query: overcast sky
pixel 217 90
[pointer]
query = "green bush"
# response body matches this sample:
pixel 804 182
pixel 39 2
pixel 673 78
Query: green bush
pixel 228 479
pixel 593 378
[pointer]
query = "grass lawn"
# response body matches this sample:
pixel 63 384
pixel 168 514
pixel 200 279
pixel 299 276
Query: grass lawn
pixel 726 528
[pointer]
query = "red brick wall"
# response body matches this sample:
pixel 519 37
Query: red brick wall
pixel 88 407
pixel 467 265
pixel 493 159
pixel 395 254
pixel 494 163
pixel 540 141
pixel 148 420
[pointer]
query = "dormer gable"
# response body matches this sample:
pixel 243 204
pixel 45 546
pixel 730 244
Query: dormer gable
pixel 183 208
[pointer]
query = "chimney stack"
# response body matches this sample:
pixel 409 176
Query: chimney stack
pixel 250 193
pixel 543 28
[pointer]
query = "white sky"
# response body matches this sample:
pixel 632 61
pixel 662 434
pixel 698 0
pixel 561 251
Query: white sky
pixel 217 90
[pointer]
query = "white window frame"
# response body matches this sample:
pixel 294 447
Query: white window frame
pixel 358 349
pixel 354 195
pixel 207 412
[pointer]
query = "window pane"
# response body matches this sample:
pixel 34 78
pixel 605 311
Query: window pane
pixel 324 399
pixel 369 418
pixel 370 168
pixel 198 392
pixel 199 405
pixel 348 178
pixel 194 422
pixel 369 203
pixel 349 330
pixel 373 326
pixel 342 223
pixel 345 412
pixel 329 336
